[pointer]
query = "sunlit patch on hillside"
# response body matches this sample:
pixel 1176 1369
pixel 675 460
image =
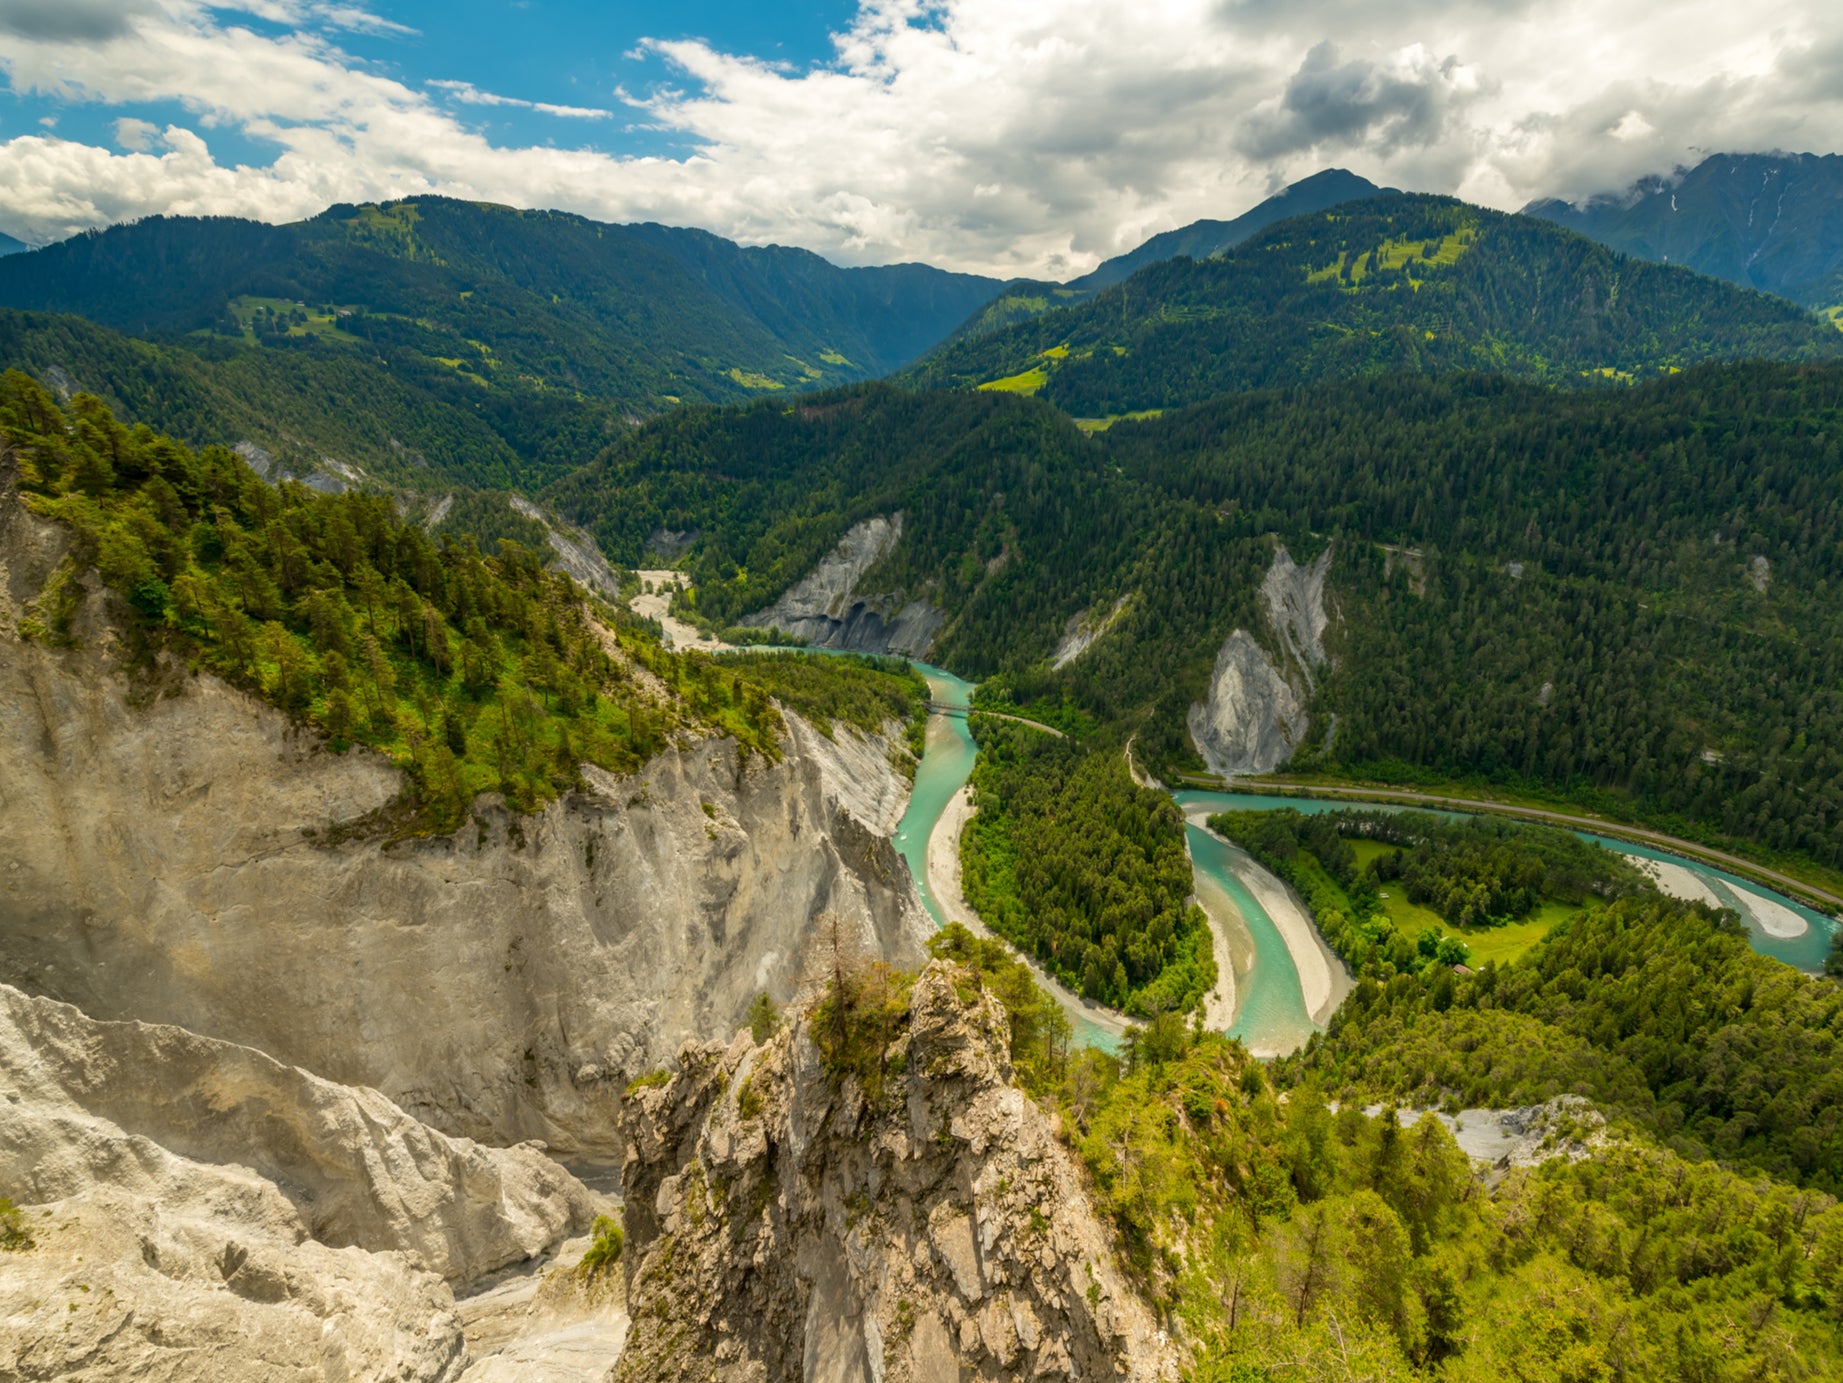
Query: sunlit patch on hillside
pixel 749 379
pixel 1028 382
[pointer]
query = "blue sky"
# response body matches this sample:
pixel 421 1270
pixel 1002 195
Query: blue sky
pixel 1004 136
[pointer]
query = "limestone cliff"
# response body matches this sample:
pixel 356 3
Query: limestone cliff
pixel 1255 715
pixel 171 850
pixel 827 609
pixel 200 1211
pixel 783 1226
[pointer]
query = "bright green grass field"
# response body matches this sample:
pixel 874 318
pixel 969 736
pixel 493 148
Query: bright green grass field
pixel 1028 382
pixel 1500 944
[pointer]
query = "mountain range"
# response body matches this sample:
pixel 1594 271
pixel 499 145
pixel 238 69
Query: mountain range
pixel 537 301
pixel 1403 283
pixel 1769 221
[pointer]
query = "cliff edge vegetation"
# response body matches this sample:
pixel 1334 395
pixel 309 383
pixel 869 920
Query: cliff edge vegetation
pixel 474 673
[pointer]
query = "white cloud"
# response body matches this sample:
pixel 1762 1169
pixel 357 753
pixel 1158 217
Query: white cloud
pixel 470 95
pixel 1011 138
pixel 136 135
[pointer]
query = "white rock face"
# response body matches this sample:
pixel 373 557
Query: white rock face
pixel 573 552
pixel 204 1212
pixel 826 610
pixel 164 855
pixel 1255 714
pixel 1083 631
pixel 1295 601
pixel 1253 718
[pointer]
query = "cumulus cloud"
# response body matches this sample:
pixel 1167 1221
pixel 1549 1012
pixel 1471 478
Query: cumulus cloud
pixel 1005 138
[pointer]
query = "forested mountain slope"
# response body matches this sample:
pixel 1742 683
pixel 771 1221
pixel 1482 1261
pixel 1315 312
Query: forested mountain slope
pixel 344 417
pixel 505 300
pixel 1411 283
pixel 1769 221
pixel 1626 596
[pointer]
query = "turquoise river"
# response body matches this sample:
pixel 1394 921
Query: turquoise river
pixel 1270 1011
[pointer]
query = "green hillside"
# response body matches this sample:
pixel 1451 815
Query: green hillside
pixel 473 673
pixel 503 301
pixel 1408 283
pixel 1768 221
pixel 1583 614
pixel 305 406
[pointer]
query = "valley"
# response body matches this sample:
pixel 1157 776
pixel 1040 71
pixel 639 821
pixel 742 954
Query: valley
pixel 590 802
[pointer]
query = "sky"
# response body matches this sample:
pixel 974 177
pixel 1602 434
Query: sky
pixel 998 136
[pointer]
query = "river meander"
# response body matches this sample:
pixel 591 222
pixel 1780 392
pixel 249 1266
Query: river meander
pixel 1270 1008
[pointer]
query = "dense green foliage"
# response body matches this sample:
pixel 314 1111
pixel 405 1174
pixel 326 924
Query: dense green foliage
pixel 475 673
pixel 1555 592
pixel 1205 239
pixel 1631 597
pixel 1293 1241
pixel 1013 520
pixel 1655 1008
pixel 1308 852
pixel 867 693
pixel 506 302
pixel 1473 872
pixel 1399 283
pixel 395 421
pixel 1075 864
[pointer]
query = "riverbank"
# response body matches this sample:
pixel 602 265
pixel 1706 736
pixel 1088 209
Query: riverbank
pixel 1219 1003
pixel 1323 981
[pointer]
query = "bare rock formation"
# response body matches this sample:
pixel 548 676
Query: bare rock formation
pixel 200 1211
pixel 827 610
pixel 783 1226
pixel 170 851
pixel 1256 715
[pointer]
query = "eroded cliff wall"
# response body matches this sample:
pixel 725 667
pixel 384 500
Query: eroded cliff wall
pixel 170 851
pixel 200 1211
pixel 827 609
pixel 1256 713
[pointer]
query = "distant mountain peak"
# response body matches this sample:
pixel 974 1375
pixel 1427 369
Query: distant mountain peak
pixel 1202 239
pixel 1770 221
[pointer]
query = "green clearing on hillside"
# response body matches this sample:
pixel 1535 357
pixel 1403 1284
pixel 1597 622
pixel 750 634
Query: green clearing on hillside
pixel 1499 945
pixel 1026 383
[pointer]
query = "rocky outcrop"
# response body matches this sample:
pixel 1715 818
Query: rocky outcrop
pixel 783 1226
pixel 1082 632
pixel 1256 715
pixel 573 552
pixel 200 1211
pixel 355 1168
pixel 171 850
pixel 826 609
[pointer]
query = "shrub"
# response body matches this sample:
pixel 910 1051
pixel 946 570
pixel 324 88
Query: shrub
pixel 604 1248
